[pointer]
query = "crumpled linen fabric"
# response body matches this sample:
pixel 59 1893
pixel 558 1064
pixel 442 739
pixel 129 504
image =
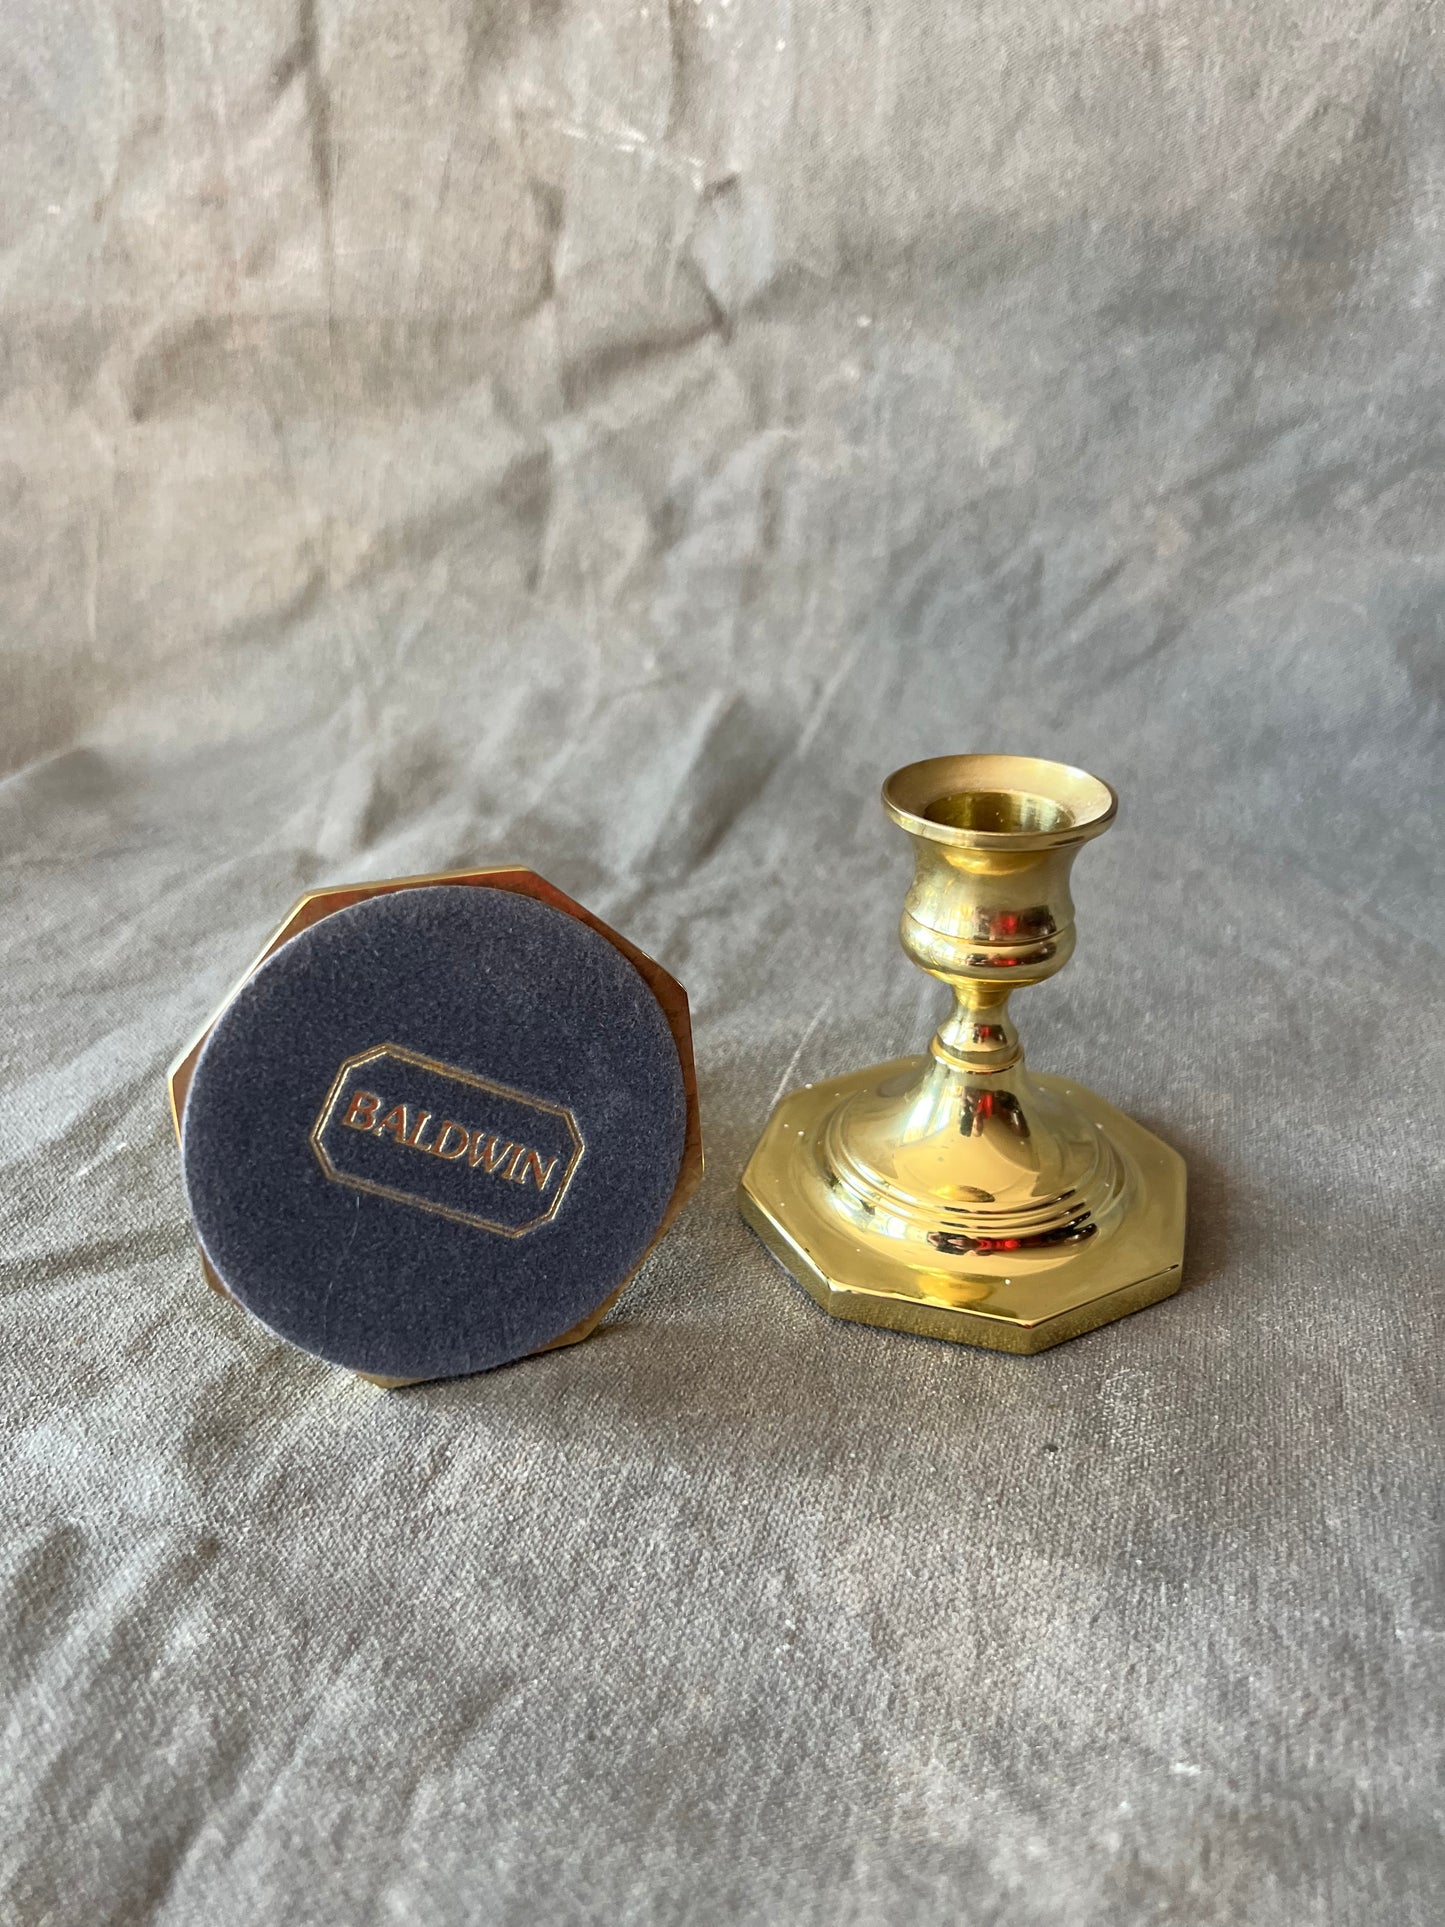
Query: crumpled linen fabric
pixel 611 437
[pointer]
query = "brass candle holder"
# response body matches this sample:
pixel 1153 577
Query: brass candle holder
pixel 960 1195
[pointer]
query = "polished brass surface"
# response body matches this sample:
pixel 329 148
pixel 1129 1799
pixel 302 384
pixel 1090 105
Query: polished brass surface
pixel 672 998
pixel 960 1195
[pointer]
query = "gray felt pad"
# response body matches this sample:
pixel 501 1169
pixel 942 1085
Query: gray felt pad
pixel 434 1131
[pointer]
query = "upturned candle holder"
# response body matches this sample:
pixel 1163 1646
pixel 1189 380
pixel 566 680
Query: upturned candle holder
pixel 960 1195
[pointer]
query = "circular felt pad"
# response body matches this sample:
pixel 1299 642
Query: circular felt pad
pixel 434 1131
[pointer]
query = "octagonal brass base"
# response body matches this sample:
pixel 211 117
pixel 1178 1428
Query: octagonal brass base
pixel 899 1265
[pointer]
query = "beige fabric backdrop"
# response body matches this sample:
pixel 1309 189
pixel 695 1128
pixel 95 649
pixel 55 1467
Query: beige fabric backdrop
pixel 611 437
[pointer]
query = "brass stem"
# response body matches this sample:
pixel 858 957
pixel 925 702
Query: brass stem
pixel 978 1036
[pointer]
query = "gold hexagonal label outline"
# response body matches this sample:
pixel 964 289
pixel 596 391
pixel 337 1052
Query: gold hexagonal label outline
pixel 456 1075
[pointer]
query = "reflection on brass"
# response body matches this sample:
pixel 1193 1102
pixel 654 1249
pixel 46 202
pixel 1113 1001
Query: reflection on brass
pixel 671 997
pixel 960 1195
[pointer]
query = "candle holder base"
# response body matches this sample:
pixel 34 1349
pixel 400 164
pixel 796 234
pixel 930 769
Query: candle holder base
pixel 1010 1301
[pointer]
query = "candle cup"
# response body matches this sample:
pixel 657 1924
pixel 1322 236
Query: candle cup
pixel 960 1195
